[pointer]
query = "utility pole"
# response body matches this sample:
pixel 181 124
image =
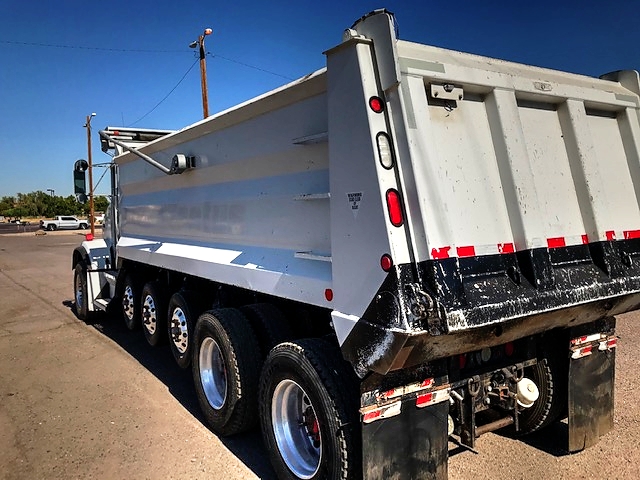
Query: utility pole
pixel 91 213
pixel 203 70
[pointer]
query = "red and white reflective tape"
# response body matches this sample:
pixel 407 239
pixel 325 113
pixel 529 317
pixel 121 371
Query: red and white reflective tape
pixel 586 339
pixel 625 234
pixel 464 251
pixel 405 390
pixel 608 343
pixel 581 351
pixel 379 413
pixel 587 344
pixel 433 397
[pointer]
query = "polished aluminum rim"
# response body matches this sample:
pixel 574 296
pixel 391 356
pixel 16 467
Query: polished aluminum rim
pixel 296 429
pixel 213 375
pixel 149 314
pixel 127 302
pixel 79 296
pixel 179 331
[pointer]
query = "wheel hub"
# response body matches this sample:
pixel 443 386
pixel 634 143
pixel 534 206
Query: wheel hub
pixel 296 429
pixel 179 331
pixel 149 314
pixel 79 296
pixel 127 302
pixel 213 374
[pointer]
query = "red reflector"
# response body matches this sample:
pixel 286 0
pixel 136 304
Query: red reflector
pixel 424 398
pixel 462 360
pixel 368 417
pixel 508 349
pixel 385 262
pixel 328 294
pixel 376 104
pixel 395 208
pixel 556 242
pixel 88 237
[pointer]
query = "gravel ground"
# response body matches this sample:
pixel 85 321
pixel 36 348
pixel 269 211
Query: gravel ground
pixel 94 401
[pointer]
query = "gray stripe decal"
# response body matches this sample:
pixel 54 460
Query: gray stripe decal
pixel 406 63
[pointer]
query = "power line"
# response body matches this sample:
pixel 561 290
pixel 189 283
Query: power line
pixel 166 96
pixel 84 47
pixel 133 50
pixel 249 66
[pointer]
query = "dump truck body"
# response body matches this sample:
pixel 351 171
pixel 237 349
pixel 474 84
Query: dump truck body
pixel 457 225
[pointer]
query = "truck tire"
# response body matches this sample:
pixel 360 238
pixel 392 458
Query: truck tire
pixel 269 324
pixel 548 375
pixel 81 292
pixel 183 311
pixel 130 302
pixel 309 412
pixel 153 313
pixel 226 367
pixel 83 226
pixel 51 227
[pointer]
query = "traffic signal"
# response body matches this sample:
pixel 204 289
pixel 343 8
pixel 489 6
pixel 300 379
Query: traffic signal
pixel 79 182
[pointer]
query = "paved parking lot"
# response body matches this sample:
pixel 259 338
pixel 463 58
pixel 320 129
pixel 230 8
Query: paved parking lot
pixel 94 401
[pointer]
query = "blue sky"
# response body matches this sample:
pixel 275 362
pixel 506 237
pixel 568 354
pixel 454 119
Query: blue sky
pixel 62 60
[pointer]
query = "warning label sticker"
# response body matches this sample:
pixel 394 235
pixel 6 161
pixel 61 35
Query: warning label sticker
pixel 354 202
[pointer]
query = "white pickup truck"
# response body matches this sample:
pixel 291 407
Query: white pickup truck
pixel 64 223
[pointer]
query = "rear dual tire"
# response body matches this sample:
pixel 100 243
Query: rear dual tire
pixel 309 412
pixel 226 367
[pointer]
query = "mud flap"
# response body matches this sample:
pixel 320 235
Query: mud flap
pixel 410 445
pixel 591 385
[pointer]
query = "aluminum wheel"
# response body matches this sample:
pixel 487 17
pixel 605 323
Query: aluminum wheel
pixel 128 302
pixel 179 331
pixel 212 373
pixel 79 295
pixel 149 314
pixel 296 429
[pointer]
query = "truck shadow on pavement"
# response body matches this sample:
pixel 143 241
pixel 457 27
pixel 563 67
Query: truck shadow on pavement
pixel 247 447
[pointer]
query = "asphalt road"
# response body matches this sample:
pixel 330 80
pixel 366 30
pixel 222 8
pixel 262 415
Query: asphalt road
pixel 82 401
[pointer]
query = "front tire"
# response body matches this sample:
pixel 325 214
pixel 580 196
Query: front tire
pixel 309 412
pixel 153 313
pixel 80 292
pixel 226 366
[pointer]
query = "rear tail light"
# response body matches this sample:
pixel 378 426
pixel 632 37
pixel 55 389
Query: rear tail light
pixel 386 262
pixel 508 349
pixel 376 104
pixel 395 208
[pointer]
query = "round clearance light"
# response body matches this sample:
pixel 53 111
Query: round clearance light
pixel 376 104
pixel 386 262
pixel 328 294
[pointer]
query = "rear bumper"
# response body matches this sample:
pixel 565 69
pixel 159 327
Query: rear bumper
pixel 485 301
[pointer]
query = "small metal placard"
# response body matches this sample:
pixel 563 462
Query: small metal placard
pixel 446 91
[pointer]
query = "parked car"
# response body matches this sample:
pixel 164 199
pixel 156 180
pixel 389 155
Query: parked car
pixel 64 222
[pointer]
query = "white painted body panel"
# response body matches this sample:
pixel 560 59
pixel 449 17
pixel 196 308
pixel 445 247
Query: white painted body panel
pixel 529 157
pixel 287 196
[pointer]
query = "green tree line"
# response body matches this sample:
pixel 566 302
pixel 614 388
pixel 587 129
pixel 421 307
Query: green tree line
pixel 41 205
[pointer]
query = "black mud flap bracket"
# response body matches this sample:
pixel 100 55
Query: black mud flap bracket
pixel 591 383
pixel 405 434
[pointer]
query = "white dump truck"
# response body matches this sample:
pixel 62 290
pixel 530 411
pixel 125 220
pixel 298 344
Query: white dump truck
pixel 409 247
